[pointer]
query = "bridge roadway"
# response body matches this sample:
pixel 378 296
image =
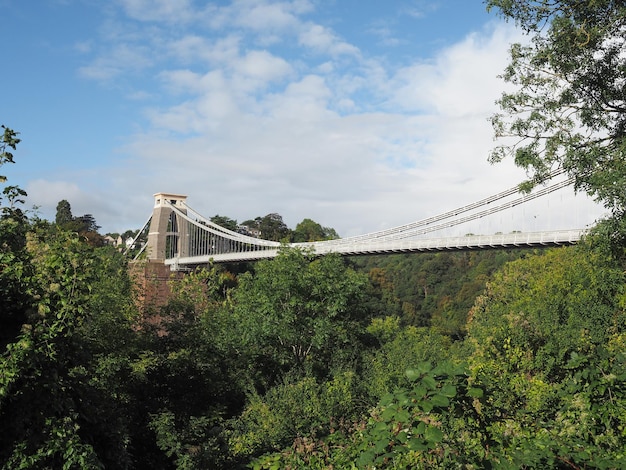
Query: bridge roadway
pixel 381 246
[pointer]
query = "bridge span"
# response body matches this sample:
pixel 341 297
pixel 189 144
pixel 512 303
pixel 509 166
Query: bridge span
pixel 465 243
pixel 179 237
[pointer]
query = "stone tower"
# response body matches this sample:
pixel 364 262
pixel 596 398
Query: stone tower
pixel 167 233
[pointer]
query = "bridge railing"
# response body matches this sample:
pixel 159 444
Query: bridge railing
pixel 368 247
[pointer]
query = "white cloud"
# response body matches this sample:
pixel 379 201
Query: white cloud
pixel 461 80
pixel 322 40
pixel 250 124
pixel 47 194
pixel 121 58
pixel 290 152
pixel 266 16
pixel 262 66
pixel 199 49
pixel 159 10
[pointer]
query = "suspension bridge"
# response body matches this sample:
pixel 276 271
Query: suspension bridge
pixel 181 238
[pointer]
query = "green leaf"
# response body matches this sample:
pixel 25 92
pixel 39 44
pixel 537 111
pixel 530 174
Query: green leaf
pixel 417 444
pixel 389 413
pixel 426 406
pixel 380 445
pixel 429 382
pixel 413 374
pixel 420 428
pixel 366 458
pixel 448 391
pixel 387 399
pixel 433 434
pixel 440 400
pixel 402 416
pixel 419 392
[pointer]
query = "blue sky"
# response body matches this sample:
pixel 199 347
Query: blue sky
pixel 360 115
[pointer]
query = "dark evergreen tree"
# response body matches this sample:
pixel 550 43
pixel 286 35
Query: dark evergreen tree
pixel 64 215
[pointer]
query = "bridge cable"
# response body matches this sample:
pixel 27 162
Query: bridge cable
pixel 440 217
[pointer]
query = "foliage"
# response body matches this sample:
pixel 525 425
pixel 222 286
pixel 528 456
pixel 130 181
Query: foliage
pixel 293 409
pixel 226 222
pixel 51 414
pixel 540 337
pixel 183 380
pixel 415 426
pixel 296 312
pixel 540 309
pixel 431 289
pixel 310 231
pixel 8 142
pixel 64 213
pixel 401 348
pixel 569 108
pixel 444 420
pixel 587 427
pixel 85 225
pixel 15 271
pixel 270 227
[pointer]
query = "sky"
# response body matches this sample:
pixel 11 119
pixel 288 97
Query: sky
pixel 359 114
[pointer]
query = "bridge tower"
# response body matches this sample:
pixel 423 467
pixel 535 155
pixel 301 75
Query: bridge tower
pixel 167 235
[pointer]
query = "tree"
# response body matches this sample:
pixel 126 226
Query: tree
pixel 569 109
pixel 548 340
pixel 299 313
pixel 85 225
pixel 64 213
pixel 57 409
pixel 225 222
pixel 310 231
pixel 273 228
pixel 189 383
pixel 15 302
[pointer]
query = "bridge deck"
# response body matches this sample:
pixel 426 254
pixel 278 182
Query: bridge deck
pixel 381 246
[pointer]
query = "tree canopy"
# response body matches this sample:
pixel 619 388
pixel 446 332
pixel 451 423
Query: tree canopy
pixel 310 231
pixel 64 213
pixel 568 110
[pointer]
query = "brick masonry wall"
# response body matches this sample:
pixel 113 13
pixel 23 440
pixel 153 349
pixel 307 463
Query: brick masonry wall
pixel 152 279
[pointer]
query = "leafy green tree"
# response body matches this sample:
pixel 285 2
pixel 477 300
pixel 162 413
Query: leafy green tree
pixel 291 410
pixel 54 413
pixel 85 225
pixel 186 380
pixel 310 231
pixel 273 228
pixel 432 289
pixel 401 348
pixel 547 306
pixel 431 421
pixel 15 269
pixel 226 222
pixel 57 407
pixel 541 336
pixel 64 213
pixel 87 228
pixel 299 313
pixel 569 108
